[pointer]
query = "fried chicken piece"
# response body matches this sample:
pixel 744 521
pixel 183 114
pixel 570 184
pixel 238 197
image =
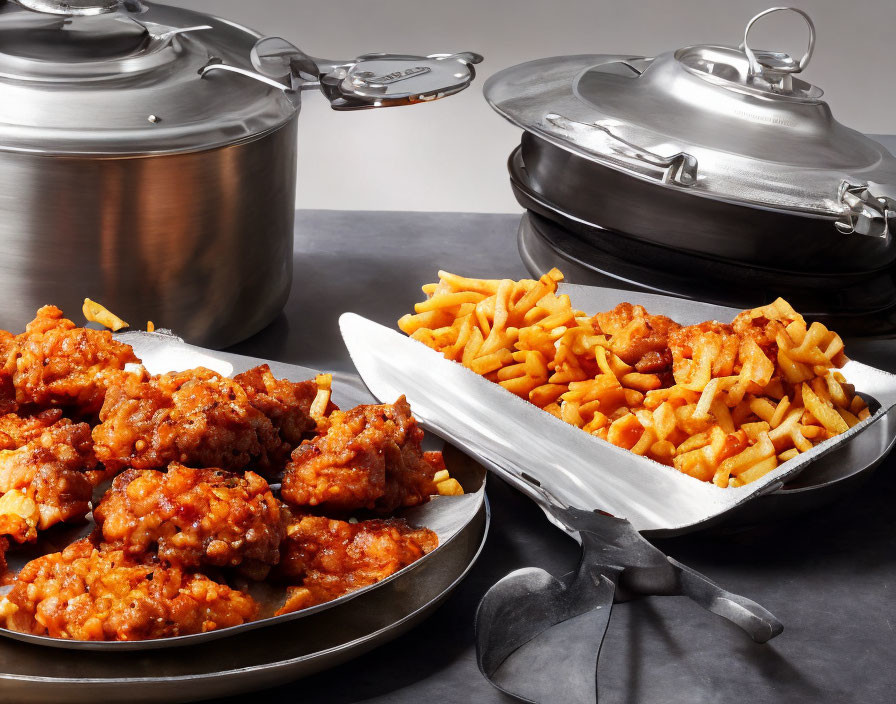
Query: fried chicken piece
pixel 197 418
pixel 16 430
pixel 638 338
pixel 7 363
pixel 369 458
pixel 721 348
pixel 762 330
pixel 55 363
pixel 286 403
pixel 47 481
pixel 330 558
pixel 717 341
pixel 84 593
pixel 4 546
pixel 195 518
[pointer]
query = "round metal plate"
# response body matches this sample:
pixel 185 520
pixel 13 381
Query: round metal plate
pixel 447 516
pixel 266 652
pixel 256 660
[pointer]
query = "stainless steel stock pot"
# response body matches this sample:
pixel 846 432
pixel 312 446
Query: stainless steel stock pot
pixel 148 159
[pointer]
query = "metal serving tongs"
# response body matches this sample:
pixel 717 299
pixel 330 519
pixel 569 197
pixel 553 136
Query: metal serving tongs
pixel 368 81
pixel 538 638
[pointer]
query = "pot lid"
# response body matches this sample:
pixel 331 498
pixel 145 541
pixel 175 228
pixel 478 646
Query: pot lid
pixel 113 77
pixel 730 123
pixel 109 77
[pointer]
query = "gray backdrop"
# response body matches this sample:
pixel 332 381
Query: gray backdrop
pixel 450 155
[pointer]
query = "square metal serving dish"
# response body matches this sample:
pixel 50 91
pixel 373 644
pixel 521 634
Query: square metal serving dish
pixel 513 436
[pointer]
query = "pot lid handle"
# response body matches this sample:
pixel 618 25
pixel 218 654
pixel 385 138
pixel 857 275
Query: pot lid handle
pixel 368 81
pixel 385 80
pixel 73 8
pixel 775 68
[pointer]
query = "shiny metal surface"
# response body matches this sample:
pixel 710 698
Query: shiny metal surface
pixel 763 141
pixel 126 177
pixel 369 81
pixel 539 638
pixel 643 208
pixel 72 7
pixel 476 414
pixel 198 242
pixel 775 69
pixel 136 170
pixel 680 169
pixel 87 85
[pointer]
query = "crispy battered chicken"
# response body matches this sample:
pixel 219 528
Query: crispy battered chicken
pixel 194 518
pixel 84 593
pixel 7 389
pixel 285 402
pixel 761 330
pixel 638 338
pixel 197 418
pixel 172 518
pixel 329 558
pixel 46 481
pixel 55 363
pixel 369 458
pixel 718 338
pixel 16 430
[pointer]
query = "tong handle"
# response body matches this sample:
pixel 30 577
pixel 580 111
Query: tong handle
pixel 530 624
pixel 760 624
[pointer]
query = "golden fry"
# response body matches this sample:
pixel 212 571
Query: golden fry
pixel 96 313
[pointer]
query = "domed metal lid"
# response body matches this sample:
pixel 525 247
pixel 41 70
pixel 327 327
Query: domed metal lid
pixel 111 78
pixel 130 77
pixel 729 123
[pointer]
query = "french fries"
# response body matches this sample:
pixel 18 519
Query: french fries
pixel 724 403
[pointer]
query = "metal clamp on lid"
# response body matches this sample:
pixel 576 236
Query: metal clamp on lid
pixel 679 169
pixel 864 213
pixel 369 81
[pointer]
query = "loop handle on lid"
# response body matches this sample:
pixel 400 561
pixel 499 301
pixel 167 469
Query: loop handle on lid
pixel 776 67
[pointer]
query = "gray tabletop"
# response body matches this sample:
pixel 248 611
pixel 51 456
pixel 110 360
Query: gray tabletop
pixel 829 575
